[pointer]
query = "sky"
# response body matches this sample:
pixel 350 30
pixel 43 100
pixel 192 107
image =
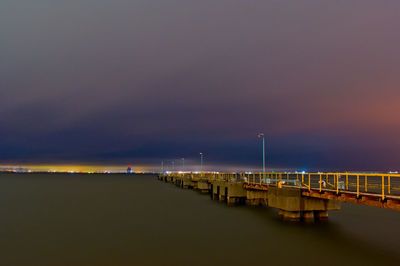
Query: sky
pixel 136 82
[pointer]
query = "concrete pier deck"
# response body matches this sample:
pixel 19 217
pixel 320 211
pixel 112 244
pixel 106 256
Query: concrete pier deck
pixel 297 196
pixel 292 204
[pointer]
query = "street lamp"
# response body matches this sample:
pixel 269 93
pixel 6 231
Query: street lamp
pixel 201 161
pixel 183 164
pixel 173 166
pixel 261 135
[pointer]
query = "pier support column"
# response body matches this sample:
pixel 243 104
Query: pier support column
pixel 291 200
pixel 203 186
pixel 215 191
pixel 233 200
pixel 257 198
pixel 221 197
pixel 321 215
pixel 187 182
pixel 293 216
pixel 308 216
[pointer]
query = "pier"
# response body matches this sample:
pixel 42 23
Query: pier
pixel 297 196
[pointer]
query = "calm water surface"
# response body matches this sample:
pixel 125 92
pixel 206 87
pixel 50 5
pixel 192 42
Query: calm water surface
pixel 137 220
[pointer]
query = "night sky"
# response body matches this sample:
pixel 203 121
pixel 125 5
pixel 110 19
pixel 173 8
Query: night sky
pixel 137 82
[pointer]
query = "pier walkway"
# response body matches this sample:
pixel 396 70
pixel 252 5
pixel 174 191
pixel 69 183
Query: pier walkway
pixel 298 196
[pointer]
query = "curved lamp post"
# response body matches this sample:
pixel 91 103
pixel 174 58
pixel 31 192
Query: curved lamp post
pixel 201 162
pixel 261 135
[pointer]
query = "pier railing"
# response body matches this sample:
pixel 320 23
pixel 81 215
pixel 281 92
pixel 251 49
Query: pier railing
pixel 383 185
pixel 366 184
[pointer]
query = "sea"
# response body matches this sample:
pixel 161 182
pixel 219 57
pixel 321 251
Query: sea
pixel 118 219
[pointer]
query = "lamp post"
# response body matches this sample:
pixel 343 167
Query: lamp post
pixel 261 135
pixel 183 164
pixel 201 162
pixel 162 166
pixel 173 166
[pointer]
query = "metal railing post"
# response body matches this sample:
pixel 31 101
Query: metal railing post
pixel 358 186
pixel 337 184
pixel 383 187
pixel 320 182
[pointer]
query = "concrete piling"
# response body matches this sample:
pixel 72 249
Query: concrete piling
pixel 290 202
pixel 256 198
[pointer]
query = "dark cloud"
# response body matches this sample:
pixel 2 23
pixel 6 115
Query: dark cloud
pixel 114 81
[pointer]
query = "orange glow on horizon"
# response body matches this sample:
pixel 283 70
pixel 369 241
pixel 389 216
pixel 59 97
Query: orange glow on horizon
pixel 78 168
